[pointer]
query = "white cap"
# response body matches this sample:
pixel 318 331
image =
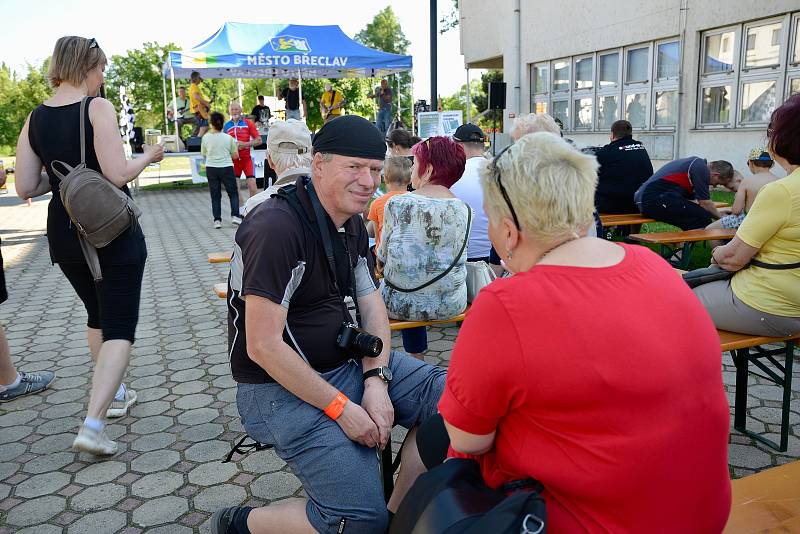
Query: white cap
pixel 291 136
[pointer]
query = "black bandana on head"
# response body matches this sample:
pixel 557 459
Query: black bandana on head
pixel 350 135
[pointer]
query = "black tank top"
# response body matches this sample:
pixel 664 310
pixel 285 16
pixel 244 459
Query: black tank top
pixel 54 134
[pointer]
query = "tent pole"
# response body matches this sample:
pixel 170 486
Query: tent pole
pixel 239 85
pixel 374 101
pixel 399 99
pixel 411 106
pixel 174 100
pixel 300 94
pixel 166 118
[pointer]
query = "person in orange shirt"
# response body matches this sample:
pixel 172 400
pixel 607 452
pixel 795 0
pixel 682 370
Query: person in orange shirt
pixel 397 175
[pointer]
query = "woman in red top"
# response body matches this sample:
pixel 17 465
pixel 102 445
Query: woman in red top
pixel 594 369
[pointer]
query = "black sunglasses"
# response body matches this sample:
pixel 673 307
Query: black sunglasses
pixel 503 189
pixel 93 43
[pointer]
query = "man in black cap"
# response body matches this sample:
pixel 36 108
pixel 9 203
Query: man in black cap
pixel 468 188
pixel 299 258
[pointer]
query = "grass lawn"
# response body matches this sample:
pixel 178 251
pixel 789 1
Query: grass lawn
pixel 701 252
pixel 170 165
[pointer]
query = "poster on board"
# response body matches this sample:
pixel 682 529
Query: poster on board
pixel 430 123
pixel 449 121
pixel 259 160
pixel 198 166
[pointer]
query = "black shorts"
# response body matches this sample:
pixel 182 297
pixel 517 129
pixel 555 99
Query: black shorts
pixel 113 303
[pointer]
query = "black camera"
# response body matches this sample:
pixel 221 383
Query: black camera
pixel 358 341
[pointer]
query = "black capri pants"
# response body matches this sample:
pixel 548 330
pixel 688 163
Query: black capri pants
pixel 112 303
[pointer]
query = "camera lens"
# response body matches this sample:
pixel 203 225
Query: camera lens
pixel 368 345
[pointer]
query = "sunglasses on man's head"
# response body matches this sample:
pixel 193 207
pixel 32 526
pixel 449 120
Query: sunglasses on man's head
pixel 503 189
pixel 93 43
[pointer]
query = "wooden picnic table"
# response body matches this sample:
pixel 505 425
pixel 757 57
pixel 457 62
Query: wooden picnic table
pixel 676 247
pixel 768 501
pixel 688 236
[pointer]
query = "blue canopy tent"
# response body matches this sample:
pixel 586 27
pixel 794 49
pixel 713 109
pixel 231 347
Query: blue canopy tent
pixel 241 50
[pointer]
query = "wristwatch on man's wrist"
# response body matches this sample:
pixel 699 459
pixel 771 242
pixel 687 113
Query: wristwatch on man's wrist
pixel 384 373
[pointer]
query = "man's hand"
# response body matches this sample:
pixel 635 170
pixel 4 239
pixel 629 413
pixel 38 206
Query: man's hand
pixel 358 426
pixel 379 407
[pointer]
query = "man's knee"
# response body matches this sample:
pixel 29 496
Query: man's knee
pixel 368 517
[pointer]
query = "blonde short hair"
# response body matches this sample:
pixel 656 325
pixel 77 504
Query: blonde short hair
pixel 550 184
pixel 397 170
pixel 532 123
pixel 73 59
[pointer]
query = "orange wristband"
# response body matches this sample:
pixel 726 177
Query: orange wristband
pixel 336 407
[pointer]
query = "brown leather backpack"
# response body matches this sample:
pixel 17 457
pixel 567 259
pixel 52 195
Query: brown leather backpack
pixel 100 210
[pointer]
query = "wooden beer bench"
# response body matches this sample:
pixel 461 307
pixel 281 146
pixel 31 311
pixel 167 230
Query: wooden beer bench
pixel 768 501
pixel 610 220
pixel 219 257
pixel 676 247
pixel 628 219
pixel 740 345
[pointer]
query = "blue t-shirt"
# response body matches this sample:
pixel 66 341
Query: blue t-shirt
pixel 689 177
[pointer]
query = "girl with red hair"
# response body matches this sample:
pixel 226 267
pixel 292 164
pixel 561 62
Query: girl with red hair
pixel 423 246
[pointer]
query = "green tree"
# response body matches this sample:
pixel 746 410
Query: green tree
pixel 481 100
pixel 384 33
pixel 18 97
pixel 450 21
pixel 139 71
pixel 458 100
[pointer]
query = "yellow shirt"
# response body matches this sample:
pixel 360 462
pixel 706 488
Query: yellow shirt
pixel 336 96
pixel 194 104
pixel 773 226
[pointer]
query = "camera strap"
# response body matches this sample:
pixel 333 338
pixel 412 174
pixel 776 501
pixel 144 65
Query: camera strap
pixel 330 253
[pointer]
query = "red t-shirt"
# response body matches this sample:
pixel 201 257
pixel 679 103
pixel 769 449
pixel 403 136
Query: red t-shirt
pixel 242 130
pixel 605 384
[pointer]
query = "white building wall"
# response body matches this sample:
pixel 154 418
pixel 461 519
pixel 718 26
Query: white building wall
pixel 552 30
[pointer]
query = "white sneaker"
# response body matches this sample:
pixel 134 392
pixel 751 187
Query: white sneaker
pixel 94 442
pixel 119 408
pixel 217 224
pixel 236 221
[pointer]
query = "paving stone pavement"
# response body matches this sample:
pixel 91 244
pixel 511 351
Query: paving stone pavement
pixel 167 477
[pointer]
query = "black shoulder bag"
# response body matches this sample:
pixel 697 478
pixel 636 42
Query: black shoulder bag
pixel 443 273
pixel 452 498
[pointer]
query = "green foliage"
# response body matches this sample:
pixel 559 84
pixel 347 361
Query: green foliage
pixel 18 97
pixel 481 100
pixel 139 71
pixel 384 33
pixel 450 21
pixel 479 94
pixel 458 99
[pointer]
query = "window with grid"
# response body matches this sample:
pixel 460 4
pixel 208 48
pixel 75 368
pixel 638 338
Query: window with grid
pixel 747 71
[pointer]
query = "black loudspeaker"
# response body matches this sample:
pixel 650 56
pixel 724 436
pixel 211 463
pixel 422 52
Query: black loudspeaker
pixel 193 144
pixel 497 95
pixel 137 141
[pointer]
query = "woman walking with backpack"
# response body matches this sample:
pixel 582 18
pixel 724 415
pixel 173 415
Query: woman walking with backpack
pixel 52 133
